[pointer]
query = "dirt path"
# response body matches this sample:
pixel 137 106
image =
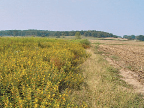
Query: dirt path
pixel 92 80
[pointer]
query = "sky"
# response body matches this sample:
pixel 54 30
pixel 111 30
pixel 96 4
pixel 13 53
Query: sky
pixel 119 17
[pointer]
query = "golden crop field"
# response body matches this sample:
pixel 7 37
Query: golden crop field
pixel 39 72
pixel 127 54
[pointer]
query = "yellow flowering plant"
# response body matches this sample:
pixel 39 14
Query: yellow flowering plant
pixel 36 72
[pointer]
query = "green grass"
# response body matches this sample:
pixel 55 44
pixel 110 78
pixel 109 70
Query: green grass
pixel 114 57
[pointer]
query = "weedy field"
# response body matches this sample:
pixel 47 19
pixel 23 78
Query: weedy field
pixel 39 72
pixel 61 73
pixel 128 54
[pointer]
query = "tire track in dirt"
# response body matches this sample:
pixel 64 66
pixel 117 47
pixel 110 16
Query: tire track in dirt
pixel 129 77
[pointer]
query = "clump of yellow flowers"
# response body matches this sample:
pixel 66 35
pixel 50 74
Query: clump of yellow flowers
pixel 39 72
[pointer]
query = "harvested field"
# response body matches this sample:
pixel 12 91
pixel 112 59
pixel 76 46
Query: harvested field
pixel 127 54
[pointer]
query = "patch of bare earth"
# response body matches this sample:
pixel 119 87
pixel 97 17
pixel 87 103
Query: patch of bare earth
pixel 129 77
pixel 130 60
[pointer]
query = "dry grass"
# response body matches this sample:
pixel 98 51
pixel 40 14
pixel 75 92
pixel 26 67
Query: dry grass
pixel 130 54
pixel 104 88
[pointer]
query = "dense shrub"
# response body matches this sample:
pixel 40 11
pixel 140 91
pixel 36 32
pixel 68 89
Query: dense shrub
pixel 85 43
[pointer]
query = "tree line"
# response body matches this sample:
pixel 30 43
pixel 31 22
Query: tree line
pixel 46 33
pixel 133 37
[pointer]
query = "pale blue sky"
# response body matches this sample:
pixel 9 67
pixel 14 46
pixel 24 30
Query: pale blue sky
pixel 120 17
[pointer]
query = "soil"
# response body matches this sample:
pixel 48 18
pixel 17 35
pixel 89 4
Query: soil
pixel 130 77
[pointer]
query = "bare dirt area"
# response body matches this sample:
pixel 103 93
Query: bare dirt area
pixel 128 56
pixel 129 77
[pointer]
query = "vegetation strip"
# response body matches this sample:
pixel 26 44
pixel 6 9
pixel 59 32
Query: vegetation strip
pixel 39 72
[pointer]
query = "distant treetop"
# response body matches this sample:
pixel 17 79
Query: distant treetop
pixel 46 33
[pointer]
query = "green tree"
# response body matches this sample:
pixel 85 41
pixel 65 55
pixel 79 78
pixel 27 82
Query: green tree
pixel 77 35
pixel 140 37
